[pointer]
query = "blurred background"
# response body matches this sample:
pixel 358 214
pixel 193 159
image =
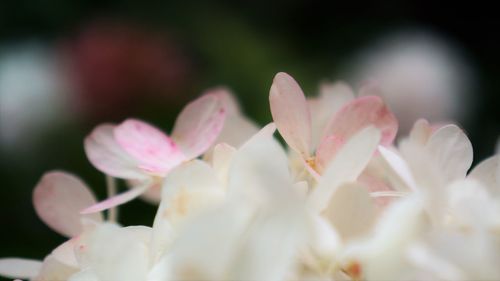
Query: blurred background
pixel 66 66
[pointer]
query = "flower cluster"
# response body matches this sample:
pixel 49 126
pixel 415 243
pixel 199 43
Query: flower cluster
pixel 344 202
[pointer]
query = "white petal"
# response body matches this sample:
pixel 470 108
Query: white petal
pixel 19 268
pixel 421 132
pixel 348 164
pixel 107 156
pixel 383 256
pixel 65 253
pixel 221 160
pixel 259 169
pixel 182 180
pixel 271 243
pixel 237 129
pixel 291 113
pixel 207 256
pixel 351 210
pixel 399 166
pixel 117 254
pixel 53 269
pixel 183 196
pixel 452 151
pixel 58 199
pixel 84 275
pixel 488 173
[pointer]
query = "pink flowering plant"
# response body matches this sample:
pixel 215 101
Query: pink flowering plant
pixel 342 201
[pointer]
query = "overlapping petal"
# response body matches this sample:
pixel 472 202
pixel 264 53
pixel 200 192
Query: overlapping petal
pixel 58 199
pixel 199 124
pixel 291 113
pixel 154 151
pixel 360 113
pixel 106 155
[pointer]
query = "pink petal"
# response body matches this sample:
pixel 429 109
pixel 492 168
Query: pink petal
pixel 107 156
pixel 291 113
pixel 19 268
pixel 230 103
pixel 58 199
pixel 327 150
pixel 115 200
pixel 360 113
pixel 199 124
pixel 332 97
pixel 155 152
pixel 347 165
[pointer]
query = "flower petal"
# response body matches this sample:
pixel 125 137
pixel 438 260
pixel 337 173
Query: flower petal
pixel 115 200
pixel 221 160
pixel 19 268
pixel 116 253
pixel 399 166
pixel 58 199
pixel 54 269
pixel 107 156
pixel 228 99
pixel 291 113
pixel 327 150
pixel 421 132
pixel 189 190
pixel 65 253
pixel 199 124
pixel 237 128
pixel 154 150
pixel 260 168
pixel 452 152
pixel 348 164
pixel 351 210
pixel 487 172
pixel 332 97
pixel 360 113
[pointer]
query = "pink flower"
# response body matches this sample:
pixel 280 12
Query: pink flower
pixel 137 151
pixel 292 115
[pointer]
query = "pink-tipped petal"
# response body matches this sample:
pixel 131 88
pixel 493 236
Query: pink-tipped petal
pixel 347 165
pixel 19 268
pixel 360 113
pixel 115 200
pixel 107 156
pixel 327 150
pixel 332 97
pixel 58 199
pixel 155 152
pixel 199 124
pixel 228 99
pixel 291 113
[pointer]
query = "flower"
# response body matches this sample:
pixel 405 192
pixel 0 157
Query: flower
pixel 137 151
pixel 373 211
pixel 292 115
